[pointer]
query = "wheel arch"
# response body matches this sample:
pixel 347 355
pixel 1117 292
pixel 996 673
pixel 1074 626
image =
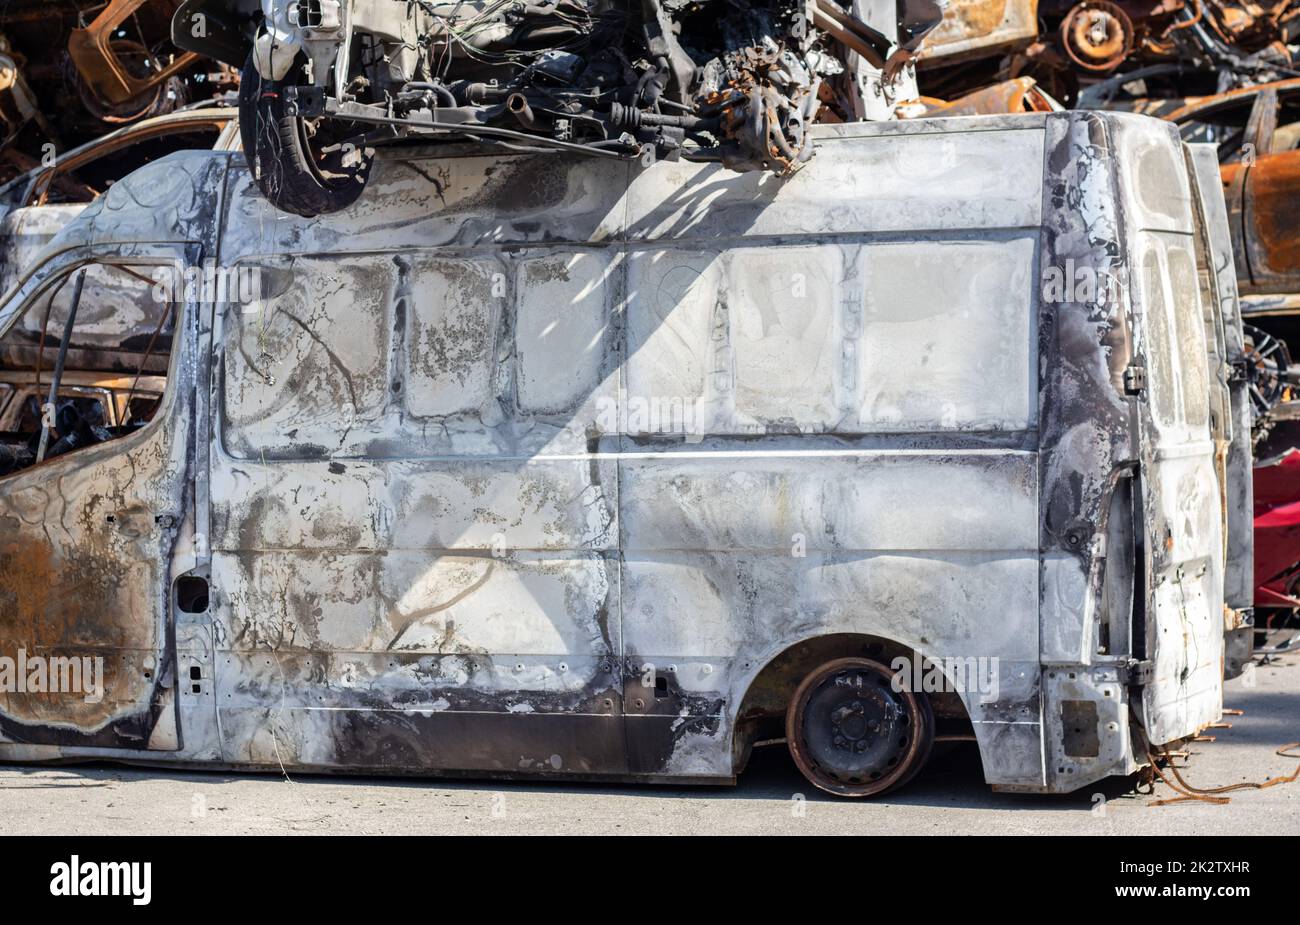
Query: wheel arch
pixel 760 714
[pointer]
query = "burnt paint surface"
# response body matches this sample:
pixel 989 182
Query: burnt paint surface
pixel 84 573
pixel 447 530
pixel 1182 511
pixel 441 491
pixel 88 540
pixel 1121 213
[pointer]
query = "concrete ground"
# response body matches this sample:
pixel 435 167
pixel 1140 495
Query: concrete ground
pixel 949 798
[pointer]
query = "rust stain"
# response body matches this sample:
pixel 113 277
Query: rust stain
pixel 1018 95
pixel 55 607
pixel 1274 182
pixel 977 17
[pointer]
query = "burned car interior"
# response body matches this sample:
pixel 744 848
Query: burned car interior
pixel 85 364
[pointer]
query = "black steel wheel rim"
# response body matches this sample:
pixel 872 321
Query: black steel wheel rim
pixel 855 729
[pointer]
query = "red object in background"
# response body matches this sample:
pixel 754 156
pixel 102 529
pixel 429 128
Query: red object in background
pixel 1277 532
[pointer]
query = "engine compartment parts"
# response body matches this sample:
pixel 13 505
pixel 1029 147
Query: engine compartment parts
pixel 736 82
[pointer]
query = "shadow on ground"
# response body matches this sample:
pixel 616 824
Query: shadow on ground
pixel 953 779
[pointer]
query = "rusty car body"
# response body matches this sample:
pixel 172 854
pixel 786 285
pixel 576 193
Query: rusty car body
pixel 526 465
pixel 35 205
pixel 1006 98
pixel 1176 47
pixel 980 28
pixel 104 63
pixel 69 72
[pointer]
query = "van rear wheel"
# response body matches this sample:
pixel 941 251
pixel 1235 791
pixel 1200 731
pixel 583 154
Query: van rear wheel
pixel 852 734
pixel 304 166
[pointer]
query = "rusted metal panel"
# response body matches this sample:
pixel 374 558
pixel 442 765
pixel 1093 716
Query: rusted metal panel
pixel 1259 187
pixel 92 51
pixel 978 28
pixel 93 584
pixel 1021 94
pixel 89 541
pixel 1273 227
pixel 103 526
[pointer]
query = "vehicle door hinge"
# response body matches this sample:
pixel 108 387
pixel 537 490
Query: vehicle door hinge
pixel 1135 380
pixel 1138 674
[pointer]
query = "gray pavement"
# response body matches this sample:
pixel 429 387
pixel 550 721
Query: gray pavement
pixel 771 798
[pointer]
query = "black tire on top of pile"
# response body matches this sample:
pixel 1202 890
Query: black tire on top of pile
pixel 290 174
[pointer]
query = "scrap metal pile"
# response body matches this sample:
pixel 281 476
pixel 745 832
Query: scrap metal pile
pixel 740 82
pixel 733 81
pixel 73 71
pixel 1176 48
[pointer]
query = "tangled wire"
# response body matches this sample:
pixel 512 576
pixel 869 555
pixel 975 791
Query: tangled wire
pixel 1189 793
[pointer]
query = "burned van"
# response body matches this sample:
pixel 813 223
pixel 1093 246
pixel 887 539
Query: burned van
pixel 527 464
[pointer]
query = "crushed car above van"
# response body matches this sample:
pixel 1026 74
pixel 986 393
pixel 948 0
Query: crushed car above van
pixel 739 83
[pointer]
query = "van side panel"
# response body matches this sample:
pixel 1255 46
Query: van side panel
pixel 534 434
pixel 755 533
pixel 413 549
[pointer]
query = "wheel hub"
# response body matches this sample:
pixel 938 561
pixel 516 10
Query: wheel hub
pixel 1268 363
pixel 1097 35
pixel 856 726
pixel 852 726
pixel 852 733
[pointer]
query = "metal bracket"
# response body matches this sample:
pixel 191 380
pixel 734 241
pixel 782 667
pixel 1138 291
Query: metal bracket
pixel 1135 380
pixel 305 101
pixel 1137 674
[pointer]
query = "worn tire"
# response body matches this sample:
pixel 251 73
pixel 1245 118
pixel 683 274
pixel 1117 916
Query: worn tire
pixel 825 710
pixel 288 170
